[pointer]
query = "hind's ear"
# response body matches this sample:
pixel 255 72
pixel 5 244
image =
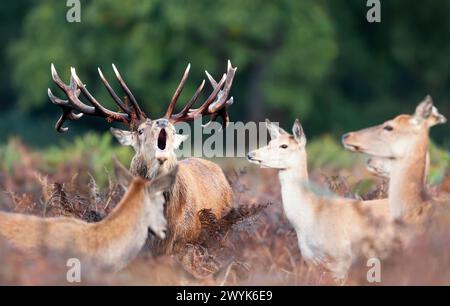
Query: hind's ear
pixel 274 130
pixel 297 131
pixel 436 117
pixel 165 181
pixel 424 109
pixel 121 173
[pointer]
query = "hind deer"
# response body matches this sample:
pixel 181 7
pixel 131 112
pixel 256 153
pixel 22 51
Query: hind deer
pixel 111 243
pixel 382 166
pixel 200 184
pixel 403 141
pixel 332 232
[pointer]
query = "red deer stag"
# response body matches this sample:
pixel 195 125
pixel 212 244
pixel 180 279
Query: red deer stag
pixel 200 184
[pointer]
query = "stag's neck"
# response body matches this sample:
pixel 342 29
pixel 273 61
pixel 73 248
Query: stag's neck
pixel 149 168
pixel 123 232
pixel 168 165
pixel 298 200
pixel 407 189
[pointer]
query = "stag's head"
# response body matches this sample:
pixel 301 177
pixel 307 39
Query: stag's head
pixel 153 140
pixel 284 151
pixel 395 138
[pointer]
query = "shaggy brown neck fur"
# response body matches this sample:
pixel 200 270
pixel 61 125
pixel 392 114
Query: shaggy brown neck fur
pixel 149 169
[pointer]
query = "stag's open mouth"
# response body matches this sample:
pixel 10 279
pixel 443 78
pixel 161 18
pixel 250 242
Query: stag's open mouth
pixel 162 139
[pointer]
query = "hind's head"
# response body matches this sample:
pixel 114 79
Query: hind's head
pixel 153 191
pixel 395 138
pixel 283 150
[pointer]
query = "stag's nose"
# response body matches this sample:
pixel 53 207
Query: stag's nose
pixel 250 155
pixel 162 123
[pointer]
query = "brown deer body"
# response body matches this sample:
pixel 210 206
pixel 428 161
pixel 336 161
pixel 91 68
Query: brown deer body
pixel 200 184
pixel 111 243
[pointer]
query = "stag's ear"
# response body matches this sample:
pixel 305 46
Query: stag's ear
pixel 424 110
pixel 164 182
pixel 274 130
pixel 121 173
pixel 299 135
pixel 179 138
pixel 125 138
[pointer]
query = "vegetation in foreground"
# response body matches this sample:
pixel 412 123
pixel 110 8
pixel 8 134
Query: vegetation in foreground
pixel 253 245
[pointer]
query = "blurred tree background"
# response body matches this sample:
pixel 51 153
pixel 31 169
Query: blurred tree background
pixel 317 60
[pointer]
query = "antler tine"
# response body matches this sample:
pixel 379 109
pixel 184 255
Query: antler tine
pixel 204 107
pixel 229 102
pixel 211 79
pixel 191 102
pixel 56 77
pixel 223 113
pixel 68 113
pixel 215 105
pixel 223 94
pixel 218 108
pixel 139 113
pixel 73 108
pixel 113 93
pixel 177 93
pixel 99 109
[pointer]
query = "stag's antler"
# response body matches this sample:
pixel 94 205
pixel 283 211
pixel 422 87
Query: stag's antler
pixel 73 108
pixel 215 105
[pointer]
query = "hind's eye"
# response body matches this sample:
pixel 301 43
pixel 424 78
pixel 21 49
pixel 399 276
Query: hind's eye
pixel 388 128
pixel 141 131
pixel 284 146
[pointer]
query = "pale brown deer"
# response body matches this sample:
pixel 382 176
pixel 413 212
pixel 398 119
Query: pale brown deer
pixel 382 166
pixel 200 184
pixel 332 231
pixel 404 142
pixel 111 243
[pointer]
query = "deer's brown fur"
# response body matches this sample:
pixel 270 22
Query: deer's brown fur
pixel 111 243
pixel 200 184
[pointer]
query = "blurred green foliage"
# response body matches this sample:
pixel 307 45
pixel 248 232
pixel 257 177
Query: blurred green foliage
pixel 326 151
pixel 95 150
pixel 439 164
pixel 91 152
pixel 317 60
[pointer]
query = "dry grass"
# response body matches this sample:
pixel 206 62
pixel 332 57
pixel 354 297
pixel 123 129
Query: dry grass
pixel 254 244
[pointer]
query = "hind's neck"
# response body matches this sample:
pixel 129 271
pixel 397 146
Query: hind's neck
pixel 298 200
pixel 407 189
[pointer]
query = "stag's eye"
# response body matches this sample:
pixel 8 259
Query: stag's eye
pixel 284 146
pixel 141 131
pixel 388 128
